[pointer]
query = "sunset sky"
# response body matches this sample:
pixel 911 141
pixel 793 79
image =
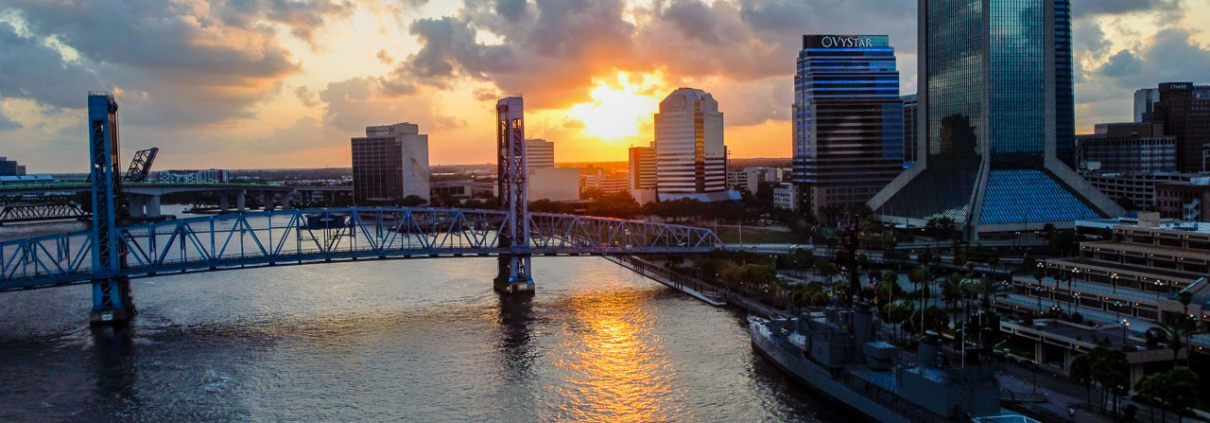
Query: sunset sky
pixel 284 83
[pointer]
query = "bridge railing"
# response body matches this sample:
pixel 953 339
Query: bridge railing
pixel 301 236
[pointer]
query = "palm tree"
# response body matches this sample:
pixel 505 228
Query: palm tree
pixel 1176 327
pixel 951 288
pixel 986 288
pixel 1080 370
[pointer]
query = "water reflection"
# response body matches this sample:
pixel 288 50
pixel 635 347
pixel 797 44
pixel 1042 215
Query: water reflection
pixel 617 370
pixel 113 361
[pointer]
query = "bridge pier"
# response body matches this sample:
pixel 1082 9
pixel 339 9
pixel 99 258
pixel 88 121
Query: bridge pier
pixel 513 277
pixel 224 206
pixel 112 303
pixel 137 202
pixel 240 201
pixel 153 206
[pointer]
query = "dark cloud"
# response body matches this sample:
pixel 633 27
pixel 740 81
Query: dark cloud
pixel 303 17
pixel 511 9
pixel 554 50
pixel 551 54
pixel 176 63
pixel 1172 55
pixel 1088 8
pixel 32 70
pixel 1089 38
pixel 1122 64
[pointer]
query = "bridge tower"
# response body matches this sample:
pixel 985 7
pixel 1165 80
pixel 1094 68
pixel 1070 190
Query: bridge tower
pixel 111 299
pixel 514 269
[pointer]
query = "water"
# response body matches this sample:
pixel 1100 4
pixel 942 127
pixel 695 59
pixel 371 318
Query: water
pixel 384 341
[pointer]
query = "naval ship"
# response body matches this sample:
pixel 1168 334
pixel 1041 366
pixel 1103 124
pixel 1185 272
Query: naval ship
pixel 836 353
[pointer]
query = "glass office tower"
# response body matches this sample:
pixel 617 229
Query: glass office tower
pixel 992 90
pixel 848 121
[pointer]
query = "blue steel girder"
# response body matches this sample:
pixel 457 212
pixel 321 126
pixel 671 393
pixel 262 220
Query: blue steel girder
pixel 323 235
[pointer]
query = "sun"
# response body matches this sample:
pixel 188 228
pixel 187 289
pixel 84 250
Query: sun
pixel 616 112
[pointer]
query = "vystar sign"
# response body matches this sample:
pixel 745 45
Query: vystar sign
pixel 844 41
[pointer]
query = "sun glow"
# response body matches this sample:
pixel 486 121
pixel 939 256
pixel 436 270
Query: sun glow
pixel 617 111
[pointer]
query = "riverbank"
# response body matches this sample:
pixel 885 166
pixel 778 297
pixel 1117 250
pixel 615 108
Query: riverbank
pixel 711 294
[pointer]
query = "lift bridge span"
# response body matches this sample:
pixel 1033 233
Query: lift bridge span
pixel 292 237
pixel 110 253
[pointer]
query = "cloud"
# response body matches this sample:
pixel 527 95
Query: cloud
pixel 356 103
pixel 554 51
pixel 306 96
pixel 178 63
pixel 33 70
pixel 1088 8
pixel 7 124
pixel 1172 55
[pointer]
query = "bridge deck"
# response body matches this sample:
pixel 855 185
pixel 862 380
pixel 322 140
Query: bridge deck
pixel 293 237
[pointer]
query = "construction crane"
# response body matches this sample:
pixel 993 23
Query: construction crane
pixel 140 166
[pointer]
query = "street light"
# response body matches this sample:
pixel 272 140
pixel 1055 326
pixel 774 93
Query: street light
pixel 1114 279
pixel 1125 325
pixel 1117 310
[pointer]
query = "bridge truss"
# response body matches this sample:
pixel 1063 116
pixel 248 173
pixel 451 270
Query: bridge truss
pixel 38 212
pixel 291 237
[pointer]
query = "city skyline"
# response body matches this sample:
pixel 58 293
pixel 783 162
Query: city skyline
pixel 286 85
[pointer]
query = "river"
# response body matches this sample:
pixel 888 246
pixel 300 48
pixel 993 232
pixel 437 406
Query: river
pixel 421 340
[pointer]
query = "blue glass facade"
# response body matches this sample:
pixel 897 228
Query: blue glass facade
pixel 996 98
pixel 848 120
pixel 1065 98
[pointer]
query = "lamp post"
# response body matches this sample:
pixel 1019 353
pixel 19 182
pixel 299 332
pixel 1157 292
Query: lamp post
pixel 1114 278
pixel 1117 312
pixel 1125 326
pixel 1076 299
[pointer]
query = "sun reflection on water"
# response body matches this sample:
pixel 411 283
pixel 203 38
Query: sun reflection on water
pixel 617 368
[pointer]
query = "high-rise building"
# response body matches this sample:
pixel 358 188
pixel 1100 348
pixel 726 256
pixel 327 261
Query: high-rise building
pixel 1065 95
pixel 1185 110
pixel 691 161
pixel 910 113
pixel 848 120
pixel 8 167
pixel 390 163
pixel 1144 104
pixel 988 156
pixel 539 154
pixel 642 167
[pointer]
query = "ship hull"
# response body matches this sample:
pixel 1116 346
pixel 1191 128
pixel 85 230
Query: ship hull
pixel 819 380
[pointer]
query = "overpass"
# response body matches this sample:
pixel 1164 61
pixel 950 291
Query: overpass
pixel 144 197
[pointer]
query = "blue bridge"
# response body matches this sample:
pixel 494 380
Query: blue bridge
pixel 292 237
pixel 113 251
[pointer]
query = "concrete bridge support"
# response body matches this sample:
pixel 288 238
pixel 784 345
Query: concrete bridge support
pixel 144 206
pixel 224 205
pixel 241 201
pixel 112 302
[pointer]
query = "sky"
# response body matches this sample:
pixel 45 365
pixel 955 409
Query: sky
pixel 256 84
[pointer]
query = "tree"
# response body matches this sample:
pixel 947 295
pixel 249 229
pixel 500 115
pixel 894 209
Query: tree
pixel 935 319
pixel 1080 371
pixel 1151 388
pixel 925 258
pixel 1107 366
pixel 898 314
pixel 412 201
pixel 1180 390
pixel 986 288
pixel 951 289
pixel 1176 328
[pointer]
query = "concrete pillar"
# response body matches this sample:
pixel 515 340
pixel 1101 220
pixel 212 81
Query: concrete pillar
pixel 112 302
pixel 240 201
pixel 223 206
pixel 136 205
pixel 153 206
